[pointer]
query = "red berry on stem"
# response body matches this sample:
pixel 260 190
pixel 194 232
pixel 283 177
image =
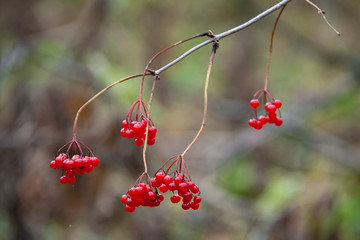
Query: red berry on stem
pixel 125 197
pixel 160 176
pixel 277 103
pixel 63 179
pixel 254 103
pixel 53 164
pixel 252 122
pixel 139 141
pixel 278 122
pixel 163 188
pixel 197 199
pixel 129 208
pixel 151 141
pixel 175 198
pixel 269 107
pixel 167 179
pixel 172 186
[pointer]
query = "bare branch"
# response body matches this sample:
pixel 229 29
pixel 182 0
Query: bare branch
pixel 224 34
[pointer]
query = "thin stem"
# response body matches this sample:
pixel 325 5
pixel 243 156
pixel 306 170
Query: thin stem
pixel 147 125
pixel 97 95
pixel 211 61
pixel 271 46
pixel 224 34
pixel 322 12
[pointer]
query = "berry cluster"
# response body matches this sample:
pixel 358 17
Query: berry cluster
pixel 141 195
pixel 137 128
pixel 185 188
pixel 271 117
pixel 78 163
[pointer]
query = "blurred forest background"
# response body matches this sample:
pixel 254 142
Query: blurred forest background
pixel 299 181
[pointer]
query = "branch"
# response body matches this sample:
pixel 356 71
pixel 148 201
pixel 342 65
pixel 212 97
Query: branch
pixel 224 34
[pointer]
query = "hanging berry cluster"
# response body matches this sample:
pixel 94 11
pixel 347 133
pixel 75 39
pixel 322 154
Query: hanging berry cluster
pixel 137 128
pixel 78 163
pixel 177 181
pixel 141 194
pixel 270 107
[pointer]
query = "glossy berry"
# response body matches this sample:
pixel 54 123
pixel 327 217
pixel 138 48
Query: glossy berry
pixel 277 103
pixel 254 103
pixel 175 198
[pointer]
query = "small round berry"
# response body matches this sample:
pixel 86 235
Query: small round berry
pixel 197 199
pixel 194 206
pixel 71 179
pixel 269 107
pixel 138 128
pixel 89 169
pixel 129 208
pixel 151 141
pixel 130 202
pixel 63 179
pixel 78 162
pixel 70 164
pixel 172 186
pixel 139 141
pixel 125 197
pixel 272 115
pixel 125 124
pixel 160 176
pixel 123 132
pixel 187 196
pixel 53 164
pixel 129 133
pixel 175 198
pixel 195 189
pixel 167 179
pixel 182 187
pixel 252 122
pixel 163 188
pixel 254 103
pixel 258 125
pixel 277 103
pixel 262 119
pixel 94 161
pixel 132 191
pixel 152 132
pixel 161 197
pixel 278 121
pixel 155 183
pixel 177 180
pixel 151 195
pixel 186 206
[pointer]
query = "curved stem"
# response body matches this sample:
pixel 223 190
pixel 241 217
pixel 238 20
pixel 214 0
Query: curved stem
pixel 97 95
pixel 147 125
pixel 205 100
pixel 271 46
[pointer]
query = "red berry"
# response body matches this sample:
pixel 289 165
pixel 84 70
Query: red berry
pixel 123 132
pixel 182 187
pixel 129 133
pixel 63 179
pixel 132 191
pixel 186 206
pixel 161 197
pixel 151 141
pixel 278 122
pixel 94 161
pixel 163 188
pixel 125 197
pixel 160 176
pixel 269 107
pixel 167 179
pixel 175 198
pixel 71 179
pixel 177 180
pixel 277 103
pixel 194 189
pixel 152 132
pixel 252 122
pixel 187 196
pixel 53 165
pixel 70 164
pixel 172 186
pixel 262 119
pixel 139 141
pixel 129 208
pixel 125 124
pixel 151 195
pixel 138 128
pixel 197 199
pixel 194 206
pixel 254 103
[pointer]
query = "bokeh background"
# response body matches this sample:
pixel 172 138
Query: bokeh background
pixel 299 181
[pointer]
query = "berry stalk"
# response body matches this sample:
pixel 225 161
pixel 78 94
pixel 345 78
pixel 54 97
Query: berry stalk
pixel 98 94
pixel 211 61
pixel 271 46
